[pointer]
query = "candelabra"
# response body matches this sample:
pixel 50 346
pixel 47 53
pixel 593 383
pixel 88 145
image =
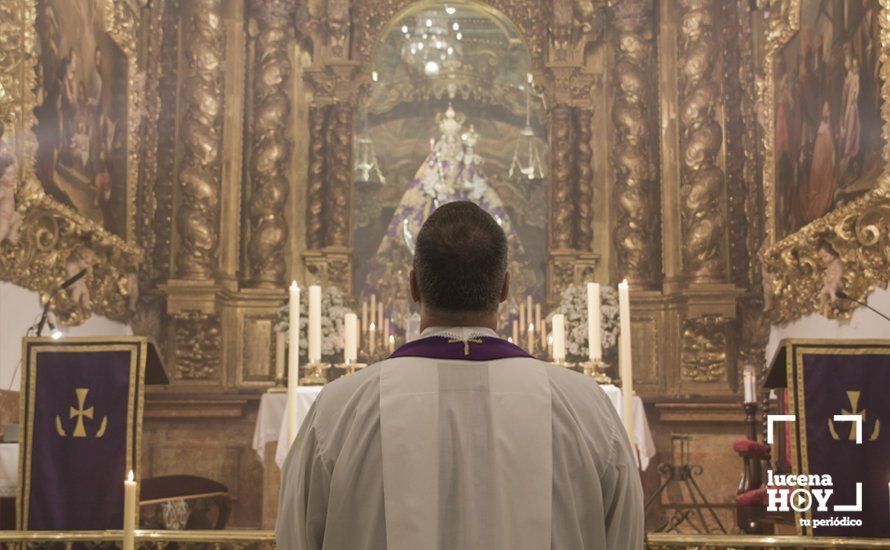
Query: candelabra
pixel 314 374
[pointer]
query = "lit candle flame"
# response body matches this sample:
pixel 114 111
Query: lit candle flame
pixel 130 476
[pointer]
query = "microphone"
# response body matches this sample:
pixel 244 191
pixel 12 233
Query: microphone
pixel 844 296
pixel 68 282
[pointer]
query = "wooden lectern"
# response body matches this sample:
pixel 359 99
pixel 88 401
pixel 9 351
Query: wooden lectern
pixel 837 396
pixel 81 415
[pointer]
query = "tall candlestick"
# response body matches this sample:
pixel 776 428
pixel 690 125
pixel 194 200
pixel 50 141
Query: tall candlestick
pixel 280 343
pixel 293 361
pixel 559 337
pixel 129 542
pixel 531 338
pixel 314 324
pixel 515 331
pixel 372 337
pixel 594 336
pixel 625 359
pixel 350 346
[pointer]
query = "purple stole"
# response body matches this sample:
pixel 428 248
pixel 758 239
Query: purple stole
pixel 484 348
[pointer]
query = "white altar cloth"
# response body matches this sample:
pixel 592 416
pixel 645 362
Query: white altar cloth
pixel 9 469
pixel 270 425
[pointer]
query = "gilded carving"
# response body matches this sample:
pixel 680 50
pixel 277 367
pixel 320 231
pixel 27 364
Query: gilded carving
pixel 561 171
pixel 315 186
pixel 339 178
pixel 584 178
pixel 199 172
pixel 702 179
pixel 271 148
pixel 198 341
pixel 847 249
pixel 45 241
pixel 703 353
pixel 636 226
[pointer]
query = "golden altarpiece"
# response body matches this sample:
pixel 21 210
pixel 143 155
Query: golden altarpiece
pixel 231 161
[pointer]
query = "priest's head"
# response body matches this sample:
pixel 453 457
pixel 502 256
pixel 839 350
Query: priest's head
pixel 460 267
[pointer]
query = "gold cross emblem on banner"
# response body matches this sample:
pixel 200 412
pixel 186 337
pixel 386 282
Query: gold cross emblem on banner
pixel 81 412
pixel 466 343
pixel 853 398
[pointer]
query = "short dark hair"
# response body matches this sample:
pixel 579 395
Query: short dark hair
pixel 460 259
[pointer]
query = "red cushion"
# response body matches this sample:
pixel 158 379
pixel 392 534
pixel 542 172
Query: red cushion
pixel 757 497
pixel 752 449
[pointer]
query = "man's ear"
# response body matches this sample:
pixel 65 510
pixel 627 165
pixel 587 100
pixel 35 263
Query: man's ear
pixel 505 290
pixel 415 289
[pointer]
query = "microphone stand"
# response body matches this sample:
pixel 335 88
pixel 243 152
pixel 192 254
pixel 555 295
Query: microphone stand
pixel 844 296
pixel 67 283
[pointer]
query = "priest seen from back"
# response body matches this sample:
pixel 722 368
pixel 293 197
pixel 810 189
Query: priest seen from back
pixel 461 440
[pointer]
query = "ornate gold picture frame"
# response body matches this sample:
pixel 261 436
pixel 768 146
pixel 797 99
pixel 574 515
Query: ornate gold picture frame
pixel 44 241
pixel 825 178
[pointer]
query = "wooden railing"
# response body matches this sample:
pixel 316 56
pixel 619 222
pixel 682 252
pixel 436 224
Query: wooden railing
pixel 265 540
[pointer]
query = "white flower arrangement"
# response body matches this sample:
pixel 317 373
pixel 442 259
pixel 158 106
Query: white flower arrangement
pixel 573 304
pixel 334 307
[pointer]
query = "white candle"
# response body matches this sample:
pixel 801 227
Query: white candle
pixel 515 331
pixel 531 338
pixel 542 330
pixel 364 316
pixel 559 337
pixel 380 324
pixel 750 381
pixel 528 308
pixel 350 333
pixel 293 361
pixel 315 324
pixel 625 360
pixel 130 512
pixel 373 318
pixel 392 343
pixel 522 315
pixel 372 336
pixel 280 343
pixel 594 337
pixel 386 329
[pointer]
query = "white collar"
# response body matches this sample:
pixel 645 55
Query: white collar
pixel 459 333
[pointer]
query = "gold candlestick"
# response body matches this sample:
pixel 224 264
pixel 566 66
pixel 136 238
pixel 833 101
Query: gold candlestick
pixel 597 371
pixel 314 374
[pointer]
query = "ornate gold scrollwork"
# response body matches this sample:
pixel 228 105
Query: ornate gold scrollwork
pixel 198 344
pixel 199 176
pixel 271 147
pixel 702 180
pixel 703 354
pixel 562 168
pixel 635 234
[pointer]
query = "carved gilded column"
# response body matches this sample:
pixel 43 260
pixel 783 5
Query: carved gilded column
pixel 270 150
pixel 636 227
pixel 199 174
pixel 702 181
pixel 584 178
pixel 339 190
pixel 315 185
pixel 561 169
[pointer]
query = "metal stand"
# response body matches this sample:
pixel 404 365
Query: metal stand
pixel 597 371
pixel 314 374
pixel 685 474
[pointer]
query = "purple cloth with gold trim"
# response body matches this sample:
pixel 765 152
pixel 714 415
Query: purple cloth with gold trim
pixel 850 379
pixel 483 348
pixel 79 426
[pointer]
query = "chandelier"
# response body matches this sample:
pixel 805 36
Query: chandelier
pixel 366 168
pixel 526 163
pixel 434 42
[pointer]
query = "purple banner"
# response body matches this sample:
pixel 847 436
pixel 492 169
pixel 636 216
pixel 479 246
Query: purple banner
pixel 847 381
pixel 79 426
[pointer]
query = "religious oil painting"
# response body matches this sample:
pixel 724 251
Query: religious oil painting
pixel 453 114
pixel 81 112
pixel 828 142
